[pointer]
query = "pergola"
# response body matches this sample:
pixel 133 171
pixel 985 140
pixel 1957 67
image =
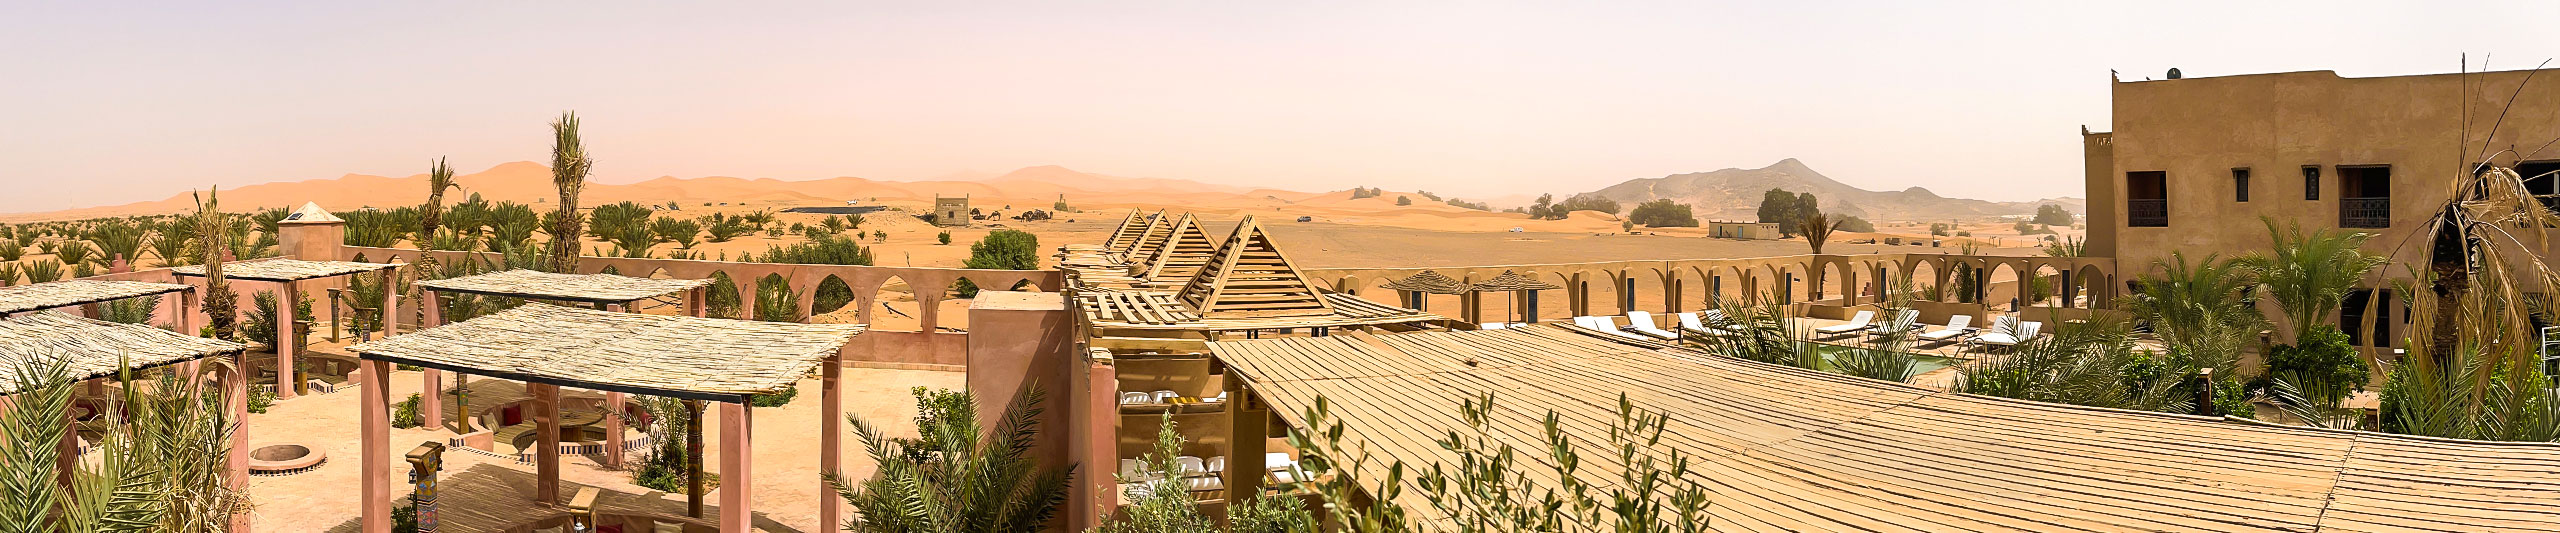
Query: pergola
pixel 288 275
pixel 66 293
pixel 551 346
pixel 95 349
pixel 1414 288
pixel 603 291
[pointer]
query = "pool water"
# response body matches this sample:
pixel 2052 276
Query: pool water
pixel 1920 363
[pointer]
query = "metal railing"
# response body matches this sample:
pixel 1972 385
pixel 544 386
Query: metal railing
pixel 2364 212
pixel 2152 213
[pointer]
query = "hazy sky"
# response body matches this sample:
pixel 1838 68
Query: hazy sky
pixel 108 103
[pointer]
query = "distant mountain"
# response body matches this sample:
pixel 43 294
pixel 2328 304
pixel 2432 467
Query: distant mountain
pixel 1734 194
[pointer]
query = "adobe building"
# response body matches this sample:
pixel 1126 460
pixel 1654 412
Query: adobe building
pixel 2193 164
pixel 951 211
pixel 1744 230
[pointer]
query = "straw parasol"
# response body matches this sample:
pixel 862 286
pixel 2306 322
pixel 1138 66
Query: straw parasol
pixel 1429 281
pixel 1513 283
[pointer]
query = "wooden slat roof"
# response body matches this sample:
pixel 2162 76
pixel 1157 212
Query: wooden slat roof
pixel 285 269
pixel 94 348
pixel 1127 233
pixel 1787 449
pixel 1184 251
pixel 1133 309
pixel 701 358
pixel 1248 277
pixel 1144 244
pixel 607 288
pixel 22 298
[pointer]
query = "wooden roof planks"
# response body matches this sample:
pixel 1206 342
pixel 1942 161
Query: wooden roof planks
pixel 1185 250
pixel 1249 277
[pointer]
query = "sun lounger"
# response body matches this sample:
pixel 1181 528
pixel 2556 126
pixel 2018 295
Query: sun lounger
pixel 1493 325
pixel 2008 332
pixel 1136 398
pixel 1955 328
pixel 1642 323
pixel 1903 321
pixel 1602 324
pixel 1857 323
pixel 1696 323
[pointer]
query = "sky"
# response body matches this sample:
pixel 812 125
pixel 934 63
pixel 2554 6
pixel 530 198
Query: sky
pixel 114 102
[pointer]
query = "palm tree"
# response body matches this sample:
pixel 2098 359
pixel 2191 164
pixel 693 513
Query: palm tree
pixel 1817 229
pixel 439 178
pixel 2310 274
pixel 162 471
pixel 213 230
pixel 953 478
pixel 2198 308
pixel 569 167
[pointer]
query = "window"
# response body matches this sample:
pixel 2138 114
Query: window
pixel 2146 199
pixel 2542 179
pixel 2364 199
pixel 2311 182
pixel 2240 184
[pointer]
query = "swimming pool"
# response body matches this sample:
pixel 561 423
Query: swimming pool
pixel 1920 363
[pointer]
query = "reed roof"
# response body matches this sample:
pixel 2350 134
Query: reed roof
pixel 1513 281
pixel 606 288
pixel 285 269
pixel 71 292
pixel 1788 449
pixel 1429 281
pixel 95 348
pixel 687 357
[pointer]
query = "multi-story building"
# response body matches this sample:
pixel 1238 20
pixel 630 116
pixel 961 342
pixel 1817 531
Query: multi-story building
pixel 2193 165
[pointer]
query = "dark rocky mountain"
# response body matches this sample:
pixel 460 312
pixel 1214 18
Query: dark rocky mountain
pixel 1734 194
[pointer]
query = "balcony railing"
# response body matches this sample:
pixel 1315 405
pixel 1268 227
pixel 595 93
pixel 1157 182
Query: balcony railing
pixel 2364 212
pixel 2150 213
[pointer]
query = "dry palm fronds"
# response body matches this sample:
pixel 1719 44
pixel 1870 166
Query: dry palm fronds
pixel 1429 281
pixel 1513 281
pixel 94 349
pixel 549 286
pixel 75 292
pixel 700 358
pixel 284 269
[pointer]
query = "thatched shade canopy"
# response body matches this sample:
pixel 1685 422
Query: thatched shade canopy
pixel 76 292
pixel 285 269
pixel 1429 281
pixel 686 357
pixel 96 349
pixel 1513 281
pixel 599 288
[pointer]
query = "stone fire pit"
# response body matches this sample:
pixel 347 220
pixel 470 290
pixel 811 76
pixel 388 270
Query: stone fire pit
pixel 285 458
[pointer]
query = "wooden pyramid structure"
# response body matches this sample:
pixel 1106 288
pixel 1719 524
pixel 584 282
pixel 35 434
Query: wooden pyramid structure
pixel 1179 258
pixel 1157 231
pixel 1248 277
pixel 1127 234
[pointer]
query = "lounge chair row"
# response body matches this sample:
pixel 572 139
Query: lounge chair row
pixel 2006 331
pixel 1200 475
pixel 1640 325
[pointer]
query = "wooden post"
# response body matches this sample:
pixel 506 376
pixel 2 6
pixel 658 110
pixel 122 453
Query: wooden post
pixel 288 384
pixel 693 458
pixel 696 302
pixel 546 464
pixel 1248 437
pixel 375 408
pixel 737 469
pixel 830 436
pixel 2204 393
pixel 337 301
pixel 235 393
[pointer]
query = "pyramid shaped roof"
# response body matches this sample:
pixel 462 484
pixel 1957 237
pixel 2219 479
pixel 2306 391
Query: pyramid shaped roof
pixel 1127 233
pixel 1249 277
pixel 1185 250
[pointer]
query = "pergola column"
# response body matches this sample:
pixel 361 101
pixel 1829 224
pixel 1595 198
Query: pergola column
pixel 390 301
pixel 613 418
pixel 288 296
pixel 374 404
pixel 737 485
pixel 235 393
pixel 1248 437
pixel 830 437
pixel 431 403
pixel 546 463
pixel 696 302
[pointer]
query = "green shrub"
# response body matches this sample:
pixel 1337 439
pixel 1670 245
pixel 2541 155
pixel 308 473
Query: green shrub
pixel 1001 250
pixel 261 324
pixel 260 399
pixel 406 414
pixel 2325 358
pixel 776 399
pixel 944 237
